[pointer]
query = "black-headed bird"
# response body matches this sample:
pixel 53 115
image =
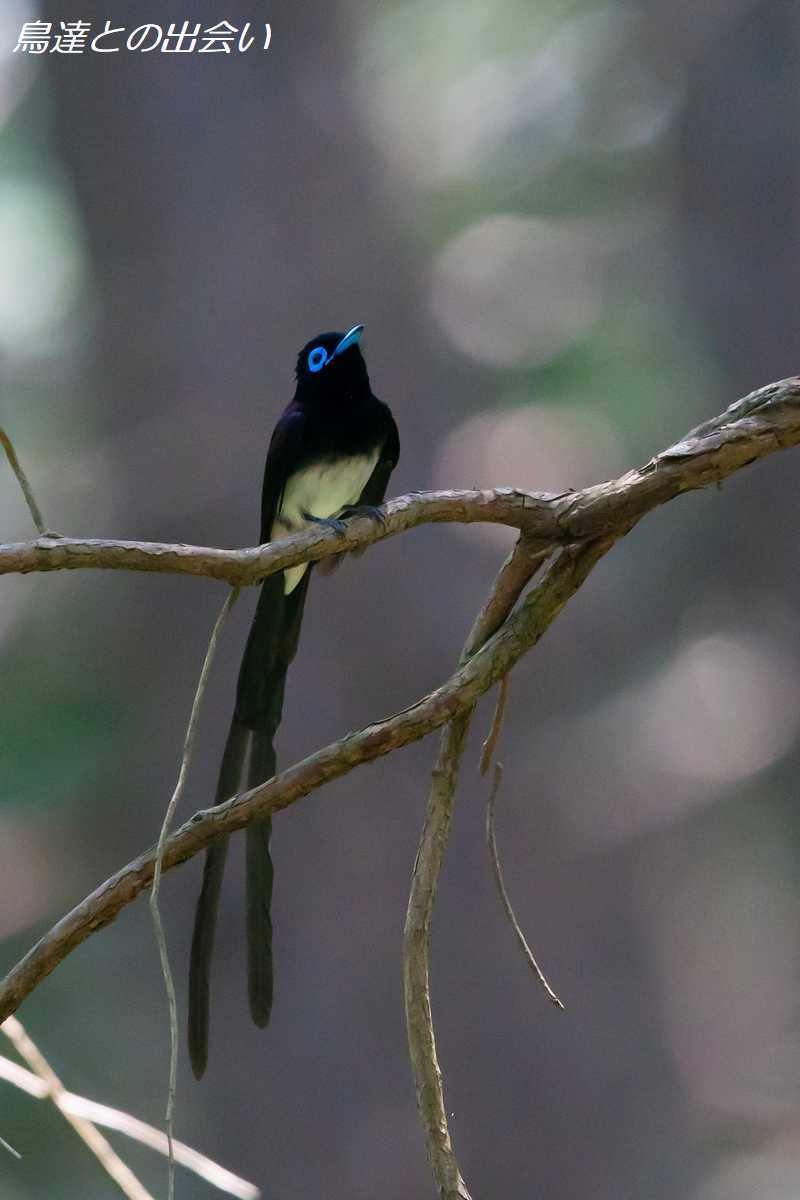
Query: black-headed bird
pixel 331 454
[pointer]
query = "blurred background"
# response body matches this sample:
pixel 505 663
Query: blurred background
pixel 571 230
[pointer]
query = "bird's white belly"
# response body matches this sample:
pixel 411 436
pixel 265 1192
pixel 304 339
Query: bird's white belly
pixel 322 489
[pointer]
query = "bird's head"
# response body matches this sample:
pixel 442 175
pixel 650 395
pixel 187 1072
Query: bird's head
pixel 332 362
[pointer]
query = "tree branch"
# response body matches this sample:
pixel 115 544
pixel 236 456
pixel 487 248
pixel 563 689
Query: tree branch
pixel 22 480
pixel 119 1171
pixel 132 1127
pixel 416 938
pixel 514 576
pixel 497 871
pixel 757 425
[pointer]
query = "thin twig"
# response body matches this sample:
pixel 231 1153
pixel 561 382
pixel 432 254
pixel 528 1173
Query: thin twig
pixel 22 479
pixel 7 1146
pixel 132 1127
pixel 491 842
pixel 166 971
pixel 487 751
pixel 122 1175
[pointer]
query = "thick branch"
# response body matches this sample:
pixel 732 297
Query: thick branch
pixel 760 423
pixel 248 566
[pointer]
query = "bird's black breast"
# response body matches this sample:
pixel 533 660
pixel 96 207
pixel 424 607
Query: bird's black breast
pixel 345 430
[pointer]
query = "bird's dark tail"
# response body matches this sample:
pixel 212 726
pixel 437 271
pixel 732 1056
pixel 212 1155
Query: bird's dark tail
pixel 259 704
pixel 259 888
pixel 205 918
pixel 271 646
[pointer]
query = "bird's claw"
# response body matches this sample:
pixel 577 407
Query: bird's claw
pixel 364 510
pixel 334 523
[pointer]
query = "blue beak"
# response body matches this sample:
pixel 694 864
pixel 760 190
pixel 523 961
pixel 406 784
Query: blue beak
pixel 351 338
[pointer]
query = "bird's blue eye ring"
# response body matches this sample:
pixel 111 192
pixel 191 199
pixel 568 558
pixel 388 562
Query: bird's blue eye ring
pixel 317 359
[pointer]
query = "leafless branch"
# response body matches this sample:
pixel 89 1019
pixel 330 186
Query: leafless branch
pixel 119 1171
pixel 416 938
pixel 489 746
pixel 7 1146
pixel 491 842
pixel 22 480
pixel 132 1127
pixel 514 576
pixel 757 425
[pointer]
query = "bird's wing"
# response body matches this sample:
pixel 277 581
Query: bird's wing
pixel 282 457
pixel 375 488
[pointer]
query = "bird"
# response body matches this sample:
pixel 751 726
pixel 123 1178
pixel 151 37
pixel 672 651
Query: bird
pixel 330 456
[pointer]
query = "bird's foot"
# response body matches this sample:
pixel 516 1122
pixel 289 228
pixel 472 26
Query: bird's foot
pixel 333 523
pixel 364 510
